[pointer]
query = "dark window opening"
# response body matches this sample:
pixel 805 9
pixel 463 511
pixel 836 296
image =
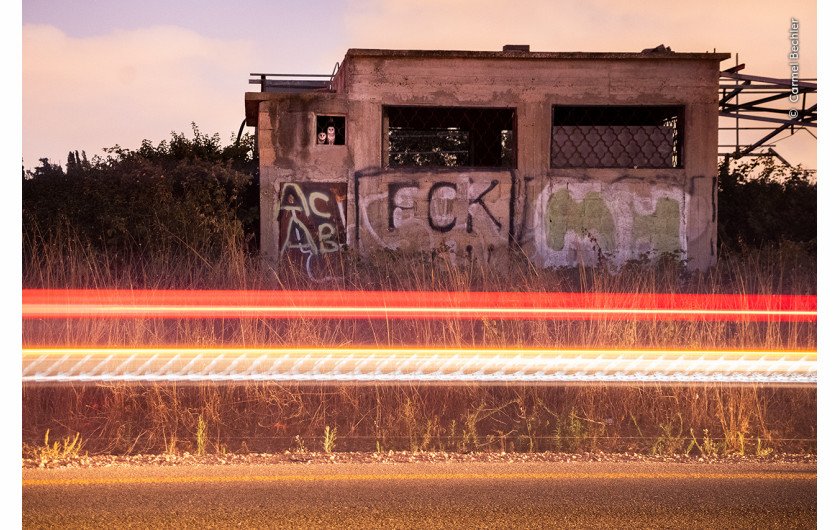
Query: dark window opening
pixel 329 130
pixel 617 137
pixel 449 137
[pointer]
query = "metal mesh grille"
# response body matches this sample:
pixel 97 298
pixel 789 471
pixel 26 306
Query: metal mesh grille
pixel 450 136
pixel 323 123
pixel 616 137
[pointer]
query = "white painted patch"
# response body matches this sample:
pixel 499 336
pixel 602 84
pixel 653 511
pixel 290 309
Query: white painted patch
pixel 363 210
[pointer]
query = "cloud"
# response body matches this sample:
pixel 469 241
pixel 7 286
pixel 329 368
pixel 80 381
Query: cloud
pixel 126 86
pixel 757 32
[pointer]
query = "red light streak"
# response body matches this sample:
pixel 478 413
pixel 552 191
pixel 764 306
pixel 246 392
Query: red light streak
pixel 403 352
pixel 70 303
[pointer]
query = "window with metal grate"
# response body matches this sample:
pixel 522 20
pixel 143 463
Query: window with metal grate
pixel 617 136
pixel 449 137
pixel 329 130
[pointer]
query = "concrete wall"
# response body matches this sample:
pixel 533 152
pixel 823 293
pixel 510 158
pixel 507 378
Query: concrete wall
pixel 464 214
pixel 558 217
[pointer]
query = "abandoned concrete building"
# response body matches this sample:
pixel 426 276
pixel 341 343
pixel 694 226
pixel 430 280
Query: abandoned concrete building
pixel 567 158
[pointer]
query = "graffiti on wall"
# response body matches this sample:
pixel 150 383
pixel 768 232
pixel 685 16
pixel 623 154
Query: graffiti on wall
pixel 312 221
pixel 660 229
pixel 466 215
pixel 591 214
pixel 582 222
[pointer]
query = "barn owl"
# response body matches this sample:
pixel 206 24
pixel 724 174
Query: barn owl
pixel 322 138
pixel 331 135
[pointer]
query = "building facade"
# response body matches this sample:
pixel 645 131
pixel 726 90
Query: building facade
pixel 569 158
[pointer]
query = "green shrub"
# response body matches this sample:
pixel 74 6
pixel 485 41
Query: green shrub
pixel 186 195
pixel 760 202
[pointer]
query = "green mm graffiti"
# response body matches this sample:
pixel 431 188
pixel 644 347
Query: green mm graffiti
pixel 662 228
pixel 564 214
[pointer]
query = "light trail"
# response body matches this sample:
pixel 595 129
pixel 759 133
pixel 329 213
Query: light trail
pixel 182 304
pixel 61 365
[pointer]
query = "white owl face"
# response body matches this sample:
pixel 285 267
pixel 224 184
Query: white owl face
pixel 322 138
pixel 330 130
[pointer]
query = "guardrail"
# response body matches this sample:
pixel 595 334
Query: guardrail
pixel 294 82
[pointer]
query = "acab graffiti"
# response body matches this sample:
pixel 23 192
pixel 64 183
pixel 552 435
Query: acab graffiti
pixel 312 221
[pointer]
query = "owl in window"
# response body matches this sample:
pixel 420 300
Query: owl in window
pixel 322 138
pixel 331 135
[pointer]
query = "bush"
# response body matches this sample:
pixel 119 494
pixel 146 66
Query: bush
pixel 185 194
pixel 760 202
pixel 195 196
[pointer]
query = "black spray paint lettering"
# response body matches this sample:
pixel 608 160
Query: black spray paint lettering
pixel 488 253
pixel 440 228
pixel 393 189
pixel 480 200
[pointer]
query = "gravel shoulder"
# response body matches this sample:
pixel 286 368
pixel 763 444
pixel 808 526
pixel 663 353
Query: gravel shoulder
pixel 395 457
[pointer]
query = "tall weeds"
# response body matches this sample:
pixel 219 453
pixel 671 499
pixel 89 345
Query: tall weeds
pixel 132 418
pixel 268 417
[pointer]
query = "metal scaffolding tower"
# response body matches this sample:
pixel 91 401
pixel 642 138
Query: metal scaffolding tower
pixel 778 105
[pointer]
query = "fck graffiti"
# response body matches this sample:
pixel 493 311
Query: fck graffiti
pixel 439 223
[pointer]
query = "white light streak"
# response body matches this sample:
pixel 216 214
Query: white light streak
pixel 55 365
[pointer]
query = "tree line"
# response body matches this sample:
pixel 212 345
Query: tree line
pixel 189 193
pixel 760 201
pixel 193 193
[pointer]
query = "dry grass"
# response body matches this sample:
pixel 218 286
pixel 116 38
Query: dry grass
pixel 123 418
pixel 266 417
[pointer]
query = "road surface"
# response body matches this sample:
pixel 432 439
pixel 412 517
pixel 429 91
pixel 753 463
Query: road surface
pixel 428 495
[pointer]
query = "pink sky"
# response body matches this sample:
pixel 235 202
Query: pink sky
pixel 98 74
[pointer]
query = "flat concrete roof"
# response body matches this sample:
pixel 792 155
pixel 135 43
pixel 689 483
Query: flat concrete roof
pixel 252 99
pixel 457 54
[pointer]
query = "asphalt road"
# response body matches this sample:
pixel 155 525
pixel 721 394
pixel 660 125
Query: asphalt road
pixel 532 495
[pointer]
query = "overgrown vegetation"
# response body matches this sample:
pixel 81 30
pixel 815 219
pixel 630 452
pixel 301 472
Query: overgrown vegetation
pixel 67 448
pixel 179 196
pixel 182 214
pixel 762 203
pixel 329 439
pixel 270 417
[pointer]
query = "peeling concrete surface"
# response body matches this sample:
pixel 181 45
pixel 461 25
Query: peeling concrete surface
pixel 557 217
